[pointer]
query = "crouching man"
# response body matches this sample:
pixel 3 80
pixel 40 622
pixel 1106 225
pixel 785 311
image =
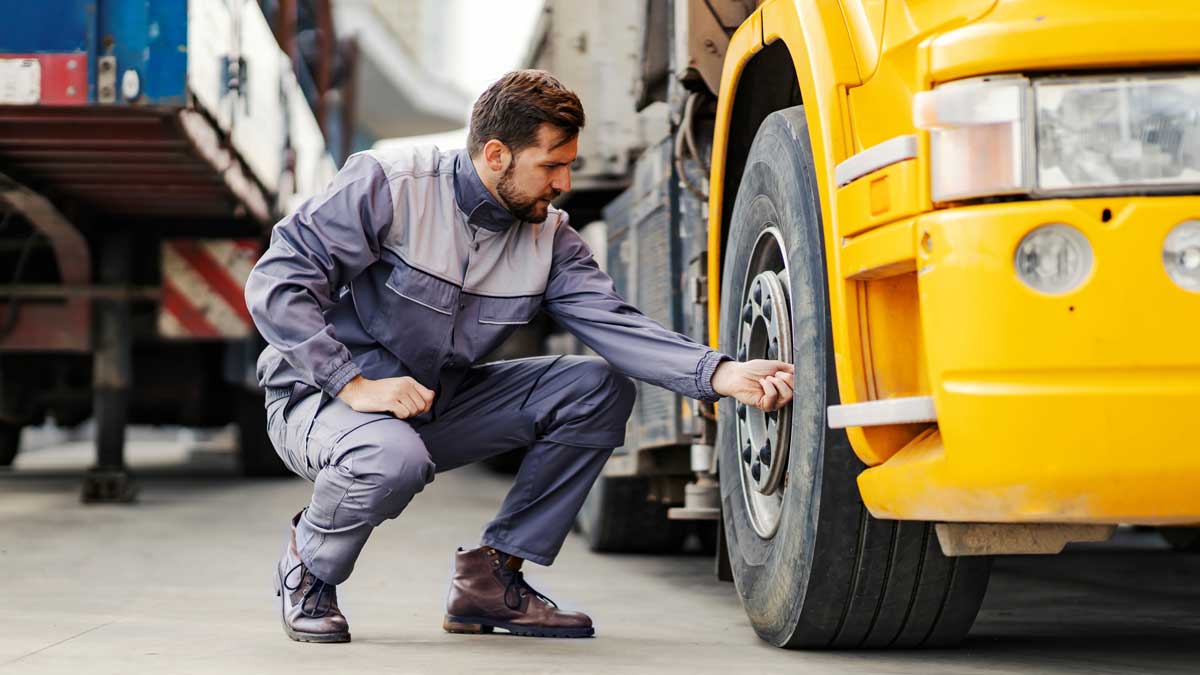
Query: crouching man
pixel 377 299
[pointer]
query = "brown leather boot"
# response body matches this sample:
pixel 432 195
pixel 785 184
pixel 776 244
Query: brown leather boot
pixel 307 605
pixel 485 594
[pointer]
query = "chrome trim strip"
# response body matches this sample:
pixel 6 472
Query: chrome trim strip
pixel 887 411
pixel 875 158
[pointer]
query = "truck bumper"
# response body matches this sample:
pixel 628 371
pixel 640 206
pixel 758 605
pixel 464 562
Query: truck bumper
pixel 1083 407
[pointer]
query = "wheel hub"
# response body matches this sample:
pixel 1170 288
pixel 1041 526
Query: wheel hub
pixel 765 333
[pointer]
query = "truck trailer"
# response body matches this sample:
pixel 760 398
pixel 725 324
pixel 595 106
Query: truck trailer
pixel 974 229
pixel 146 148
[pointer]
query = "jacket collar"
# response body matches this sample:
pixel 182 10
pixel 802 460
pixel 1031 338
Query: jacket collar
pixel 475 200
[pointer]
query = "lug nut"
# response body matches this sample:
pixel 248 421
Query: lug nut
pixel 757 293
pixel 747 313
pixel 767 311
pixel 764 454
pixel 756 470
pixel 747 453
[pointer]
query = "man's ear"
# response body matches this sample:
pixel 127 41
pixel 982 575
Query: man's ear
pixel 496 155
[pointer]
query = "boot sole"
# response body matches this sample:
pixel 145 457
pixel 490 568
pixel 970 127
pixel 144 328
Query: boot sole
pixel 472 625
pixel 301 636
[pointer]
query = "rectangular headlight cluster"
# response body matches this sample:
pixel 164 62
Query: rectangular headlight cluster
pixel 1048 136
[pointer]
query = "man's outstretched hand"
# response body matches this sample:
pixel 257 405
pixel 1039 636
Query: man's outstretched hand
pixel 764 384
pixel 404 397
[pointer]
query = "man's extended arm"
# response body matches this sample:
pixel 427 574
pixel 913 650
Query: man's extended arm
pixel 581 297
pixel 328 241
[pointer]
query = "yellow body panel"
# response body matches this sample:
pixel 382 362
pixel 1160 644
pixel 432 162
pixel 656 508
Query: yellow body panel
pixel 1066 34
pixel 883 252
pixel 1079 407
pixel 744 44
pixel 822 83
pixel 1050 409
pixel 884 196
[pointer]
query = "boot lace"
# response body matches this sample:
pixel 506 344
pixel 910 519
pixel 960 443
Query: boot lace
pixel 518 588
pixel 318 590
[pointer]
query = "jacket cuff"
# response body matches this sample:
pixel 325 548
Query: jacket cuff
pixel 338 379
pixel 704 373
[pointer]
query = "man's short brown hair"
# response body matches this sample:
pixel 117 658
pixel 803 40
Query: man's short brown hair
pixel 516 105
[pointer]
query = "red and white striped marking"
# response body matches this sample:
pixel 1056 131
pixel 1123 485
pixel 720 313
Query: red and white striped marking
pixel 203 288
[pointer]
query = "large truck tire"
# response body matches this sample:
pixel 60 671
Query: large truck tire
pixel 10 442
pixel 812 567
pixel 617 517
pixel 258 456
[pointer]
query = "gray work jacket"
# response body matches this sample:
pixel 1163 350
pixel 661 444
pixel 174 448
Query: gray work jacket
pixel 406 265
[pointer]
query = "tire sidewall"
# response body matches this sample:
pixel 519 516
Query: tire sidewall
pixel 778 189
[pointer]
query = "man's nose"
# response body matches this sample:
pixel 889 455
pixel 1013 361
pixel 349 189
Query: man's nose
pixel 562 182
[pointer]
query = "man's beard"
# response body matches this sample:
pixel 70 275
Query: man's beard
pixel 525 208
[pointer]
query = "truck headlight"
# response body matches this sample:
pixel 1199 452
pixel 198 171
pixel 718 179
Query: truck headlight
pixel 1054 259
pixel 1055 135
pixel 1181 255
pixel 978 131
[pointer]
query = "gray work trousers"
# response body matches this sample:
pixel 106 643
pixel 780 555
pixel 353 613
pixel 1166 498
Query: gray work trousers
pixel 569 412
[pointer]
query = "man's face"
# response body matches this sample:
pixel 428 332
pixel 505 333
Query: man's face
pixel 538 174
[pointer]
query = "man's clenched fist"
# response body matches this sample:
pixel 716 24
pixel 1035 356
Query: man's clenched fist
pixel 761 383
pixel 404 397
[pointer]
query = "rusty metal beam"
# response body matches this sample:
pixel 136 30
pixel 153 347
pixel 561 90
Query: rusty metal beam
pixel 106 115
pixel 120 178
pixel 286 32
pixel 147 190
pixel 325 56
pixel 134 130
pixel 101 156
pixel 122 162
pixel 69 145
pixel 63 327
pixel 98 292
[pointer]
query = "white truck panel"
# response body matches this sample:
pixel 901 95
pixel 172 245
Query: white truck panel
pixel 211 35
pixel 260 122
pixel 593 48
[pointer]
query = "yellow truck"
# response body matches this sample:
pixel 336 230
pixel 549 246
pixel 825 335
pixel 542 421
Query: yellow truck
pixel 973 226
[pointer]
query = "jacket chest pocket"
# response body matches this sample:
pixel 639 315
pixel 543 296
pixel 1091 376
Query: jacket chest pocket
pixel 509 311
pixel 414 316
pixel 423 289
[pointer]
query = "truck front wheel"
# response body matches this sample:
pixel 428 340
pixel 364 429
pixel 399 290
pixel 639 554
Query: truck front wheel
pixel 813 568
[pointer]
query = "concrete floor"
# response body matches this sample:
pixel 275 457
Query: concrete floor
pixel 181 583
